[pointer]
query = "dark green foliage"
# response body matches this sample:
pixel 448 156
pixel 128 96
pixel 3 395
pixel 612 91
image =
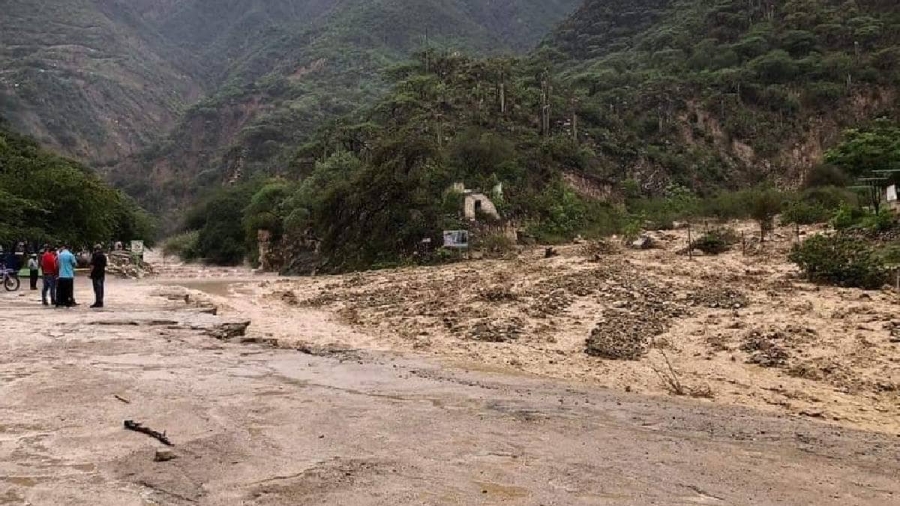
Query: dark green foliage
pixel 767 74
pixel 840 260
pixel 817 204
pixel 660 213
pixel 802 212
pixel 475 154
pixel 563 215
pixel 764 204
pixel 267 211
pixel 182 245
pixel 47 198
pixel 716 241
pixel 849 218
pixel 863 150
pixel 382 212
pixel 387 186
pixel 221 236
pixel 826 175
pixel 882 221
pixel 830 197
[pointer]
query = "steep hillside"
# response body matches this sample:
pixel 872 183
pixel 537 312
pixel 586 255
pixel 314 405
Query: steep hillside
pixel 102 79
pixel 706 93
pixel 89 78
pixel 289 83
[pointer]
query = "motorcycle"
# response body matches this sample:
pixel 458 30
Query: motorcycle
pixel 10 279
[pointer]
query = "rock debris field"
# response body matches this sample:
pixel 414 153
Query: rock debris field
pixel 600 376
pixel 743 329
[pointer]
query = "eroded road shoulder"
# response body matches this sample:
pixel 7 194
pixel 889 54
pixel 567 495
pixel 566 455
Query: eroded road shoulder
pixel 253 425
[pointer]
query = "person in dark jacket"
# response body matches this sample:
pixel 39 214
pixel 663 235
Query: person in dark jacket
pixel 98 275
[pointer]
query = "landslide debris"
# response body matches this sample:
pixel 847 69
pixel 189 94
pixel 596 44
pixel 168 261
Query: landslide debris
pixel 773 347
pixel 622 335
pixel 719 298
pixel 497 331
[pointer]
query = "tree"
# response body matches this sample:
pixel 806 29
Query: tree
pixel 219 220
pixel 841 260
pixel 876 147
pixel 775 67
pixel 47 198
pixel 764 205
pixel 826 175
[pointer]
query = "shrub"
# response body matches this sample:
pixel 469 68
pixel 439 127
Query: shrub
pixel 183 245
pixel 890 253
pixel 849 217
pixel 660 213
pixel 633 227
pixel 840 260
pixel 715 242
pixel 826 175
pixel 764 205
pixel 801 212
pixel 495 244
pixel 882 221
pixel 830 197
pixel 727 205
pixel 846 216
pixel 564 214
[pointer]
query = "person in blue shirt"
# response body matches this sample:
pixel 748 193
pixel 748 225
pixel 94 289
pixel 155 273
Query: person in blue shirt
pixel 65 285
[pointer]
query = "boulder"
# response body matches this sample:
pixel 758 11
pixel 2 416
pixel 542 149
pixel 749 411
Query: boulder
pixel 163 455
pixel 642 242
pixel 228 330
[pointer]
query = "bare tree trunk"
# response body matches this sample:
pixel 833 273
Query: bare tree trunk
pixel 427 55
pixel 575 126
pixel 545 105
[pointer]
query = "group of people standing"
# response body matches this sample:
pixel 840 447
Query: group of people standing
pixel 57 265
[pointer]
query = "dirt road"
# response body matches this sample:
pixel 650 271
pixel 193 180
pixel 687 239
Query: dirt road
pixel 257 425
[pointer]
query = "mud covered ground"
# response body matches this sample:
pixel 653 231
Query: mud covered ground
pixel 337 419
pixel 732 329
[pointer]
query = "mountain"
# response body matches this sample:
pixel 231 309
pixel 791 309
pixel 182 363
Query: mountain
pixel 298 78
pixel 628 112
pixel 89 78
pixel 706 94
pixel 172 96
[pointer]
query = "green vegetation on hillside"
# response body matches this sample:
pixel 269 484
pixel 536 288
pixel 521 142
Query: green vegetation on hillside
pixel 89 79
pixel 374 184
pixel 296 77
pixel 44 197
pixel 728 92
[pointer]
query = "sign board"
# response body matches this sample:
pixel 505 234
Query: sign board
pixel 456 239
pixel 137 247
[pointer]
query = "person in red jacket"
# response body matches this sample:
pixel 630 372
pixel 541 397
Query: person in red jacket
pixel 50 269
